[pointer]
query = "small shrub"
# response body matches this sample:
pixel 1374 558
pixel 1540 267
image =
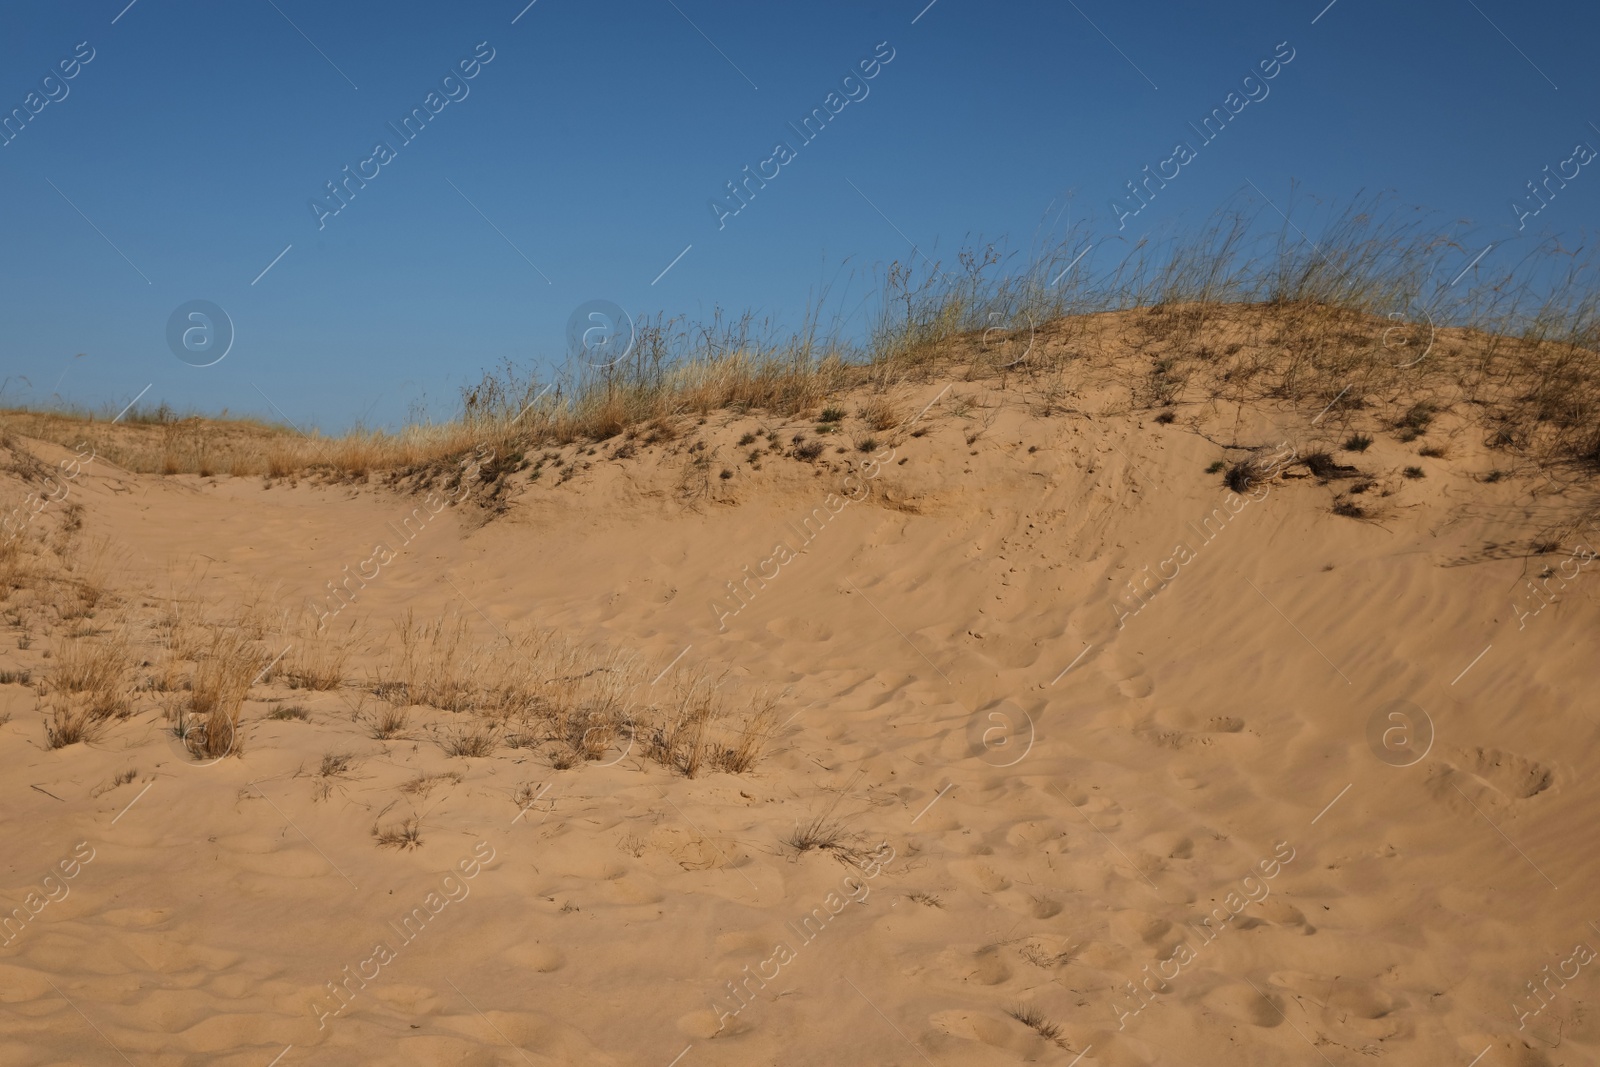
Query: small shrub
pixel 831 414
pixel 1415 472
pixel 292 711
pixel 1217 468
pixel 1166 418
pixel 808 451
pixel 748 438
pixel 1349 509
pixel 867 444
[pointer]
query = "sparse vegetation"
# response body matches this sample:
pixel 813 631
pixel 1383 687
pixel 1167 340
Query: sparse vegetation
pixel 1231 310
pixel 819 832
pixel 403 835
pixel 423 784
pixel 1035 1020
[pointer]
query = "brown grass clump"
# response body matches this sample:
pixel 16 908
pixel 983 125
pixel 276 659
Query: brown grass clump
pixel 88 685
pixel 208 719
pixel 680 731
pixel 751 741
pixel 406 834
pixel 1035 1020
pixel 423 784
pixel 474 741
pixel 389 721
pixel 820 832
pixel 879 413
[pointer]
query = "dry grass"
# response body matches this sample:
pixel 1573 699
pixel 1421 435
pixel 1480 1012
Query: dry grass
pixel 822 832
pixel 389 721
pixel 405 834
pixel 1242 309
pixel 570 703
pixel 750 743
pixel 423 784
pixel 679 733
pixel 319 657
pixel 88 685
pixel 335 767
pixel 1035 1020
pixel 208 717
pixel 475 741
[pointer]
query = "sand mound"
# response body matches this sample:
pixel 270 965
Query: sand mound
pixel 1009 733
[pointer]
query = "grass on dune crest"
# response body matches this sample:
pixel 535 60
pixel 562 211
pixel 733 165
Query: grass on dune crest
pixel 1244 309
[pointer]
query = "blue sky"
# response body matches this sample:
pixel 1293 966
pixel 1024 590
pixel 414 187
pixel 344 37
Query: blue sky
pixel 582 159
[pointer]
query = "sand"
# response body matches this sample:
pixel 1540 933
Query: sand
pixel 1187 825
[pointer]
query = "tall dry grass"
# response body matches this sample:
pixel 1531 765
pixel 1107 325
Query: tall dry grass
pixel 88 685
pixel 208 715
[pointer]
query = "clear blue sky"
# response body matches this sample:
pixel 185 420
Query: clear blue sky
pixel 195 138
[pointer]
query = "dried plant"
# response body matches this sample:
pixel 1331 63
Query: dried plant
pixel 209 718
pixel 406 834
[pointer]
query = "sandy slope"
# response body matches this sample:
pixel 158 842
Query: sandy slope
pixel 1046 838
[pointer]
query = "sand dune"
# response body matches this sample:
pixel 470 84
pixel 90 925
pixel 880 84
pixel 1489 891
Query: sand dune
pixel 1094 760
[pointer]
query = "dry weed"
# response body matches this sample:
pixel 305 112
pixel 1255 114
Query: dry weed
pixel 208 720
pixel 406 834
